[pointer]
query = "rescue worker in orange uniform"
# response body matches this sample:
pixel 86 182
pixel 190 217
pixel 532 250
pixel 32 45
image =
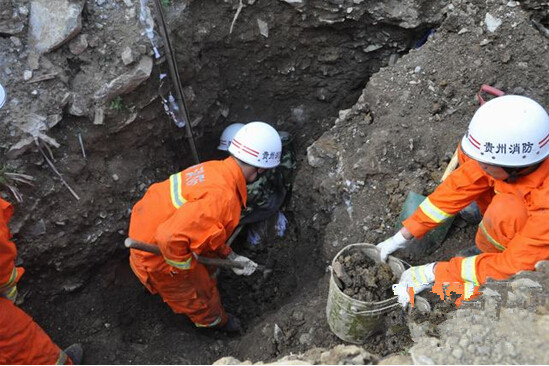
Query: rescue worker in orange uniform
pixel 506 171
pixel 22 341
pixel 193 213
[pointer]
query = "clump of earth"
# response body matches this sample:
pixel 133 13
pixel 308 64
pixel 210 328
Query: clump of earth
pixel 361 278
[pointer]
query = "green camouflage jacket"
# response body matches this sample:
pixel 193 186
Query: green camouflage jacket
pixel 275 181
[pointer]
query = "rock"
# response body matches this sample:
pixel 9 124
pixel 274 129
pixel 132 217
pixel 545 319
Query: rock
pixel 396 360
pixel 227 361
pixel 347 355
pixel 492 23
pixel 306 339
pixel 79 44
pixel 27 75
pixel 322 150
pixel 38 228
pixel 20 147
pixel 79 106
pixel 99 116
pixel 53 22
pixel 33 60
pixel 23 10
pixel 16 41
pixel 298 316
pixel 372 48
pixel 126 82
pixel 10 22
pixel 127 56
pixel 278 334
pixel 525 283
pixel 263 28
pixel 542 266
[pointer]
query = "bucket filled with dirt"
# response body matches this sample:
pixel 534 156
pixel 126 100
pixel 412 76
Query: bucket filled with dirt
pixel 360 292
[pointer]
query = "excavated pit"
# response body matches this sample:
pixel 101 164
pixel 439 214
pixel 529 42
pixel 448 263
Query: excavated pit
pixel 314 62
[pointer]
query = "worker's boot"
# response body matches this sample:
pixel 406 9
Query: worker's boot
pixel 232 325
pixel 75 353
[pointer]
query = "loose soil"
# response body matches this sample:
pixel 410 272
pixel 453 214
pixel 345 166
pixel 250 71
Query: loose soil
pixel 363 279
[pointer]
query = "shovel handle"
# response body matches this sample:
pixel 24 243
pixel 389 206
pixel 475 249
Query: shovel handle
pixel 225 263
pixel 452 165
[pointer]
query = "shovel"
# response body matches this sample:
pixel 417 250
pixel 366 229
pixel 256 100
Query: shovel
pixel 225 263
pixel 434 238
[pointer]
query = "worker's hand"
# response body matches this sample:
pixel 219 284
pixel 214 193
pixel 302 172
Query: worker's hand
pixel 419 278
pixel 249 265
pixel 395 242
pixel 10 293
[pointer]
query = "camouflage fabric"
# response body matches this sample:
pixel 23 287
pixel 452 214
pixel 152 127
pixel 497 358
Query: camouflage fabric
pixel 272 186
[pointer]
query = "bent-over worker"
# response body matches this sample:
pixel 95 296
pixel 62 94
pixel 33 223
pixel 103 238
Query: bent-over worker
pixel 506 171
pixel 193 213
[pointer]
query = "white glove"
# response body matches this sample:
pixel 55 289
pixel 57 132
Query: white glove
pixel 249 265
pixel 419 278
pixel 395 242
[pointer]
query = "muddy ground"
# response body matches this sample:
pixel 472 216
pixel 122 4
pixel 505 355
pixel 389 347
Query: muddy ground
pixel 402 107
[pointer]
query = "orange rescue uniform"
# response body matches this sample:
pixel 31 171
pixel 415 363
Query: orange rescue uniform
pixel 22 341
pixel 191 213
pixel 513 234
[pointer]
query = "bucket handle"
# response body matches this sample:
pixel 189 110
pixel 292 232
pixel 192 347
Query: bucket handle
pixel 376 311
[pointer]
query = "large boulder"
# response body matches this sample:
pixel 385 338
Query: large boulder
pixel 53 22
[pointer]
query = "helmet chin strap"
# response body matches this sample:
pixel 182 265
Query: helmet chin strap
pixel 516 173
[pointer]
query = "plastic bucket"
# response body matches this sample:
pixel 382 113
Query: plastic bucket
pixel 353 320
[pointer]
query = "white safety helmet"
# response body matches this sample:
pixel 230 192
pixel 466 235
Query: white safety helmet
pixel 510 131
pixel 257 144
pixel 228 135
pixel 3 96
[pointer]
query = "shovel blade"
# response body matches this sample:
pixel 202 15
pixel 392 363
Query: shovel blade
pixel 433 239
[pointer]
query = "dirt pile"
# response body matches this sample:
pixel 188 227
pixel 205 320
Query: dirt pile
pixel 361 278
pixel 507 324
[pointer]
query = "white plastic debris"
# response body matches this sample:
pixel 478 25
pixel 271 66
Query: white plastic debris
pixel 492 23
pixel 281 223
pixel 263 28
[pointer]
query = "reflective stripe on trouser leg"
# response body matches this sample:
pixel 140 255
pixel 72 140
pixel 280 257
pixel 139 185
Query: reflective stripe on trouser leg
pixel 505 216
pixel 62 358
pixel 469 276
pixel 11 280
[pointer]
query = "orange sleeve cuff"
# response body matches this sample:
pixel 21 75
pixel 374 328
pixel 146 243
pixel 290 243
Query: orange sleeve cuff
pixel 449 271
pixel 417 228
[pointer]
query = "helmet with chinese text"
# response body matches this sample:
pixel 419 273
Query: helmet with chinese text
pixel 227 136
pixel 509 131
pixel 257 144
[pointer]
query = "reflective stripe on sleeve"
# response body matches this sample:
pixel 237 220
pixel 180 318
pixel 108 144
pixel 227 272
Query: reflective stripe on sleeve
pixel 433 212
pixel 175 190
pixel 492 241
pixel 418 276
pixel 179 265
pixel 10 282
pixel 212 324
